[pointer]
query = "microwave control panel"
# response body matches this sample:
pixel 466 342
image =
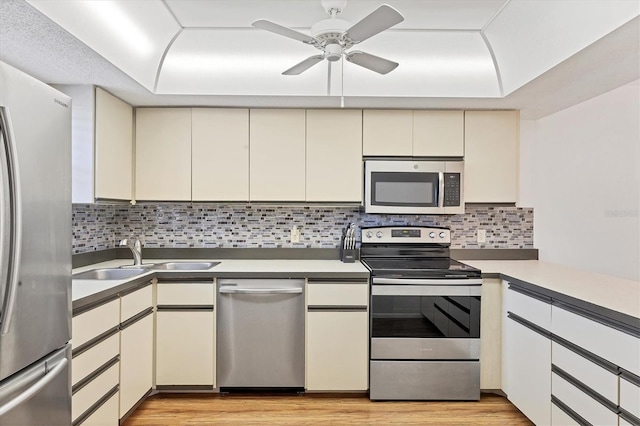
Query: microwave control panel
pixel 452 191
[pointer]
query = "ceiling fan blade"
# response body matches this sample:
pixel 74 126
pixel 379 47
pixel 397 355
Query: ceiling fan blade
pixel 304 65
pixel 377 21
pixel 263 24
pixel 374 63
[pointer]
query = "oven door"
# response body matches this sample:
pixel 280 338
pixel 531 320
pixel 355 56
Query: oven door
pixel 435 322
pixel 404 187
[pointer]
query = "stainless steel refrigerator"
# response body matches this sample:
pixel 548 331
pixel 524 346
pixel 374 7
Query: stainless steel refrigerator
pixel 35 252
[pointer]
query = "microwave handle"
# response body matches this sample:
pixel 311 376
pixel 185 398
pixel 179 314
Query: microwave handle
pixel 441 189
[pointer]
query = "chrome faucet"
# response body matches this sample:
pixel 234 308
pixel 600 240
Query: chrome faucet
pixel 136 248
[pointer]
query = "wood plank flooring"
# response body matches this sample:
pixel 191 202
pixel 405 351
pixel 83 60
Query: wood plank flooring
pixel 213 409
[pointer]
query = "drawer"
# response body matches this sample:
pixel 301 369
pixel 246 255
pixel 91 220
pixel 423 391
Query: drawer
pixel 623 422
pixel 94 322
pixel 597 378
pixel 533 310
pixel 582 404
pixel 201 293
pixel 338 294
pixel 629 397
pixel 615 346
pixel 560 418
pixel 106 415
pixel 83 399
pixel 136 302
pixel 89 361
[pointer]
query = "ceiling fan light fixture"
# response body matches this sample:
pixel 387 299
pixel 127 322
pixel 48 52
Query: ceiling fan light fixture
pixel 333 52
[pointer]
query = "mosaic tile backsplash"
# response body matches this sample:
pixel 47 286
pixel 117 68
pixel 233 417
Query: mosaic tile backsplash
pixel 99 227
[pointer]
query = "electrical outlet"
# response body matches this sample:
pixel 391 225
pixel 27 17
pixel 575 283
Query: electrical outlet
pixel 295 234
pixel 482 235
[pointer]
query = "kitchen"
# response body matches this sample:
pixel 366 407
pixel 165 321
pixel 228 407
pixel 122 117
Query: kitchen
pixel 561 124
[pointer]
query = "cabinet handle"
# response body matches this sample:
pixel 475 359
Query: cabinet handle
pixel 224 290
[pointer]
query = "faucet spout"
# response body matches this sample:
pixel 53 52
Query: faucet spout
pixel 136 249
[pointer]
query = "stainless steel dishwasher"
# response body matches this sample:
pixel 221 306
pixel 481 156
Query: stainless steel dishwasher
pixel 260 330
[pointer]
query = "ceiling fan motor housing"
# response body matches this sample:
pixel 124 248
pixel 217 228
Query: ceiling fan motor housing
pixel 329 30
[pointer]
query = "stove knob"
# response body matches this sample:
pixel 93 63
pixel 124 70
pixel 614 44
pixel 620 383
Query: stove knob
pixel 442 235
pixel 379 234
pixel 369 234
pixel 432 234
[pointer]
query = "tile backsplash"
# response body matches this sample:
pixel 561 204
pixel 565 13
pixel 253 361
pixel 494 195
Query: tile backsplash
pixel 99 227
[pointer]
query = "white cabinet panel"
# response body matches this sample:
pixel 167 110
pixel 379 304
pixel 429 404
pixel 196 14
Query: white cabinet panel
pixel 89 361
pixel 338 294
pixel 337 351
pixel 185 348
pixel 94 322
pixel 630 397
pixel 615 346
pixel 560 418
pixel 100 386
pixel 438 133
pixel 491 334
pixel 220 154
pixel 387 132
pixel 185 293
pixel 163 154
pixel 531 309
pixel 133 303
pixel 491 156
pixel 136 362
pixel 585 406
pixel 592 375
pixel 114 147
pixel 277 154
pixel 334 155
pixel 106 415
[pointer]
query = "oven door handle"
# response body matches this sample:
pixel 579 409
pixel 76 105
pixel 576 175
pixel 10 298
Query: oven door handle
pixel 430 282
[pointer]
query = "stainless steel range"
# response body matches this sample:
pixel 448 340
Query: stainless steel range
pixel 424 316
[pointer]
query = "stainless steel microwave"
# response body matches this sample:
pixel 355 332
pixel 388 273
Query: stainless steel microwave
pixel 414 187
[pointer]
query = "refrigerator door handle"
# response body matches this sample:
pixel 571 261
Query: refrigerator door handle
pixel 15 216
pixel 35 388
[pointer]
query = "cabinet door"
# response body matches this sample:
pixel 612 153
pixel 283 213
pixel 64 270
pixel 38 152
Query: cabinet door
pixel 220 154
pixel 387 132
pixel 337 350
pixel 136 362
pixel 527 369
pixel 491 332
pixel 277 159
pixel 334 155
pixel 438 133
pixel 184 347
pixel 163 154
pixel 114 147
pixel 491 156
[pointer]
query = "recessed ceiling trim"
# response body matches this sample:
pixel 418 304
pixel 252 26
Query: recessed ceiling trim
pixel 175 18
pixel 164 55
pixel 495 62
pixel 495 15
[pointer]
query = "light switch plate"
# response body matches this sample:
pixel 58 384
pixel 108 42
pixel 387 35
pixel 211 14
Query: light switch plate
pixel 295 234
pixel 482 235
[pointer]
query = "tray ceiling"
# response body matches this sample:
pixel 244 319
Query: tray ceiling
pixel 446 49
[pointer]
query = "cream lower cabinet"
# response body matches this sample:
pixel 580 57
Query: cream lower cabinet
pixel 185 345
pixel 526 354
pixel 491 334
pixel 95 365
pixel 337 336
pixel 136 348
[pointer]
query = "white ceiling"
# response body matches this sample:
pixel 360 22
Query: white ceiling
pixel 533 55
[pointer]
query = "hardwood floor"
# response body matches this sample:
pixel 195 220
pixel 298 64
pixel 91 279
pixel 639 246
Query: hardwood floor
pixel 213 409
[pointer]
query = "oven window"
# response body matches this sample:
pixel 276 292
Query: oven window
pixel 425 316
pixel 404 189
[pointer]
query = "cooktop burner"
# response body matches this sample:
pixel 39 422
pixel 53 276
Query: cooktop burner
pixel 419 267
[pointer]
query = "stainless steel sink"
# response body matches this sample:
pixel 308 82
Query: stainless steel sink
pixel 109 274
pixel 185 266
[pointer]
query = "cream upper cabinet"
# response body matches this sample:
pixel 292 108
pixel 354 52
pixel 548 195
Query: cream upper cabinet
pixel 277 154
pixel 491 156
pixel 114 148
pixel 438 133
pixel 387 132
pixel 334 155
pixel 220 154
pixel 163 154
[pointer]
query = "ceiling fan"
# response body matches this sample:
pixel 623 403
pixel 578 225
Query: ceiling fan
pixel 334 36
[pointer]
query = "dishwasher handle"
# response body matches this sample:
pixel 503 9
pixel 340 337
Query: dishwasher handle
pixel 236 290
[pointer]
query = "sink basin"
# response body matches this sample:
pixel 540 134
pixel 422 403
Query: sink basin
pixel 185 266
pixel 109 274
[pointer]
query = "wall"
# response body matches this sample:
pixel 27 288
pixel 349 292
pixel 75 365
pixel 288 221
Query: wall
pixel 580 171
pixel 98 227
